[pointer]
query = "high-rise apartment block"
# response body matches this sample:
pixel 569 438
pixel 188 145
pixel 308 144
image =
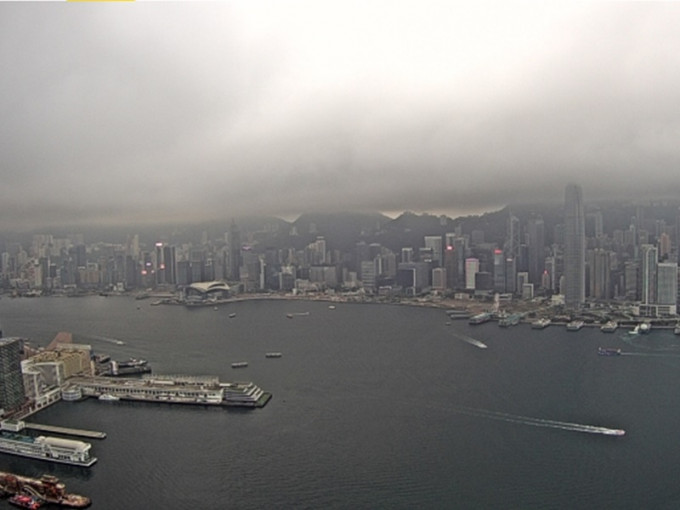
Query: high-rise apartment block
pixel 471 270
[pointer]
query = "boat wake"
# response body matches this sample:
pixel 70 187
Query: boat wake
pixel 110 340
pixel 539 422
pixel 470 340
pixel 650 355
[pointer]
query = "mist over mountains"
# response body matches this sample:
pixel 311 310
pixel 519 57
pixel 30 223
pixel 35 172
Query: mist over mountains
pixel 343 230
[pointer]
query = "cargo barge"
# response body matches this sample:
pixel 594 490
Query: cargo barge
pixel 51 449
pixel 173 389
pixel 46 489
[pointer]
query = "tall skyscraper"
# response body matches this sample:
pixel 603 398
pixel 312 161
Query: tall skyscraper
pixel 471 270
pixel 650 259
pixel 574 247
pixel 498 271
pixel 512 238
pixel 234 244
pixel 667 284
pixel 12 394
pixel 536 249
pixel 600 273
pixel 435 243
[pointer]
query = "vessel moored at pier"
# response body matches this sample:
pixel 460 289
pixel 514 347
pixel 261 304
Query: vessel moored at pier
pixel 641 329
pixel 509 320
pixel 541 323
pixel 575 325
pixel 51 449
pixel 131 366
pixel 46 489
pixel 609 327
pixel 480 318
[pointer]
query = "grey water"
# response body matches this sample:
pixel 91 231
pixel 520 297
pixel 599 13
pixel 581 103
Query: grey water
pixel 374 406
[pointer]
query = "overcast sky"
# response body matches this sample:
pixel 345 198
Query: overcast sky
pixel 150 112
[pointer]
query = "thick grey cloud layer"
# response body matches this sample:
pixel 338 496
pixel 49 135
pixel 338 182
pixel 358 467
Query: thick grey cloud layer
pixel 149 112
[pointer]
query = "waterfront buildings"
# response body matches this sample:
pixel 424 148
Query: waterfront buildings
pixel 502 252
pixel 574 248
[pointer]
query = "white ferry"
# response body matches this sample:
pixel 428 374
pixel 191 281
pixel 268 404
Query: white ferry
pixel 640 329
pixel 480 318
pixel 51 449
pixel 509 320
pixel 541 323
pixel 575 325
pixel 609 327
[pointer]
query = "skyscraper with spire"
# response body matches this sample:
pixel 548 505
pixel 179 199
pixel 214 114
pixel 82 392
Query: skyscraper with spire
pixel 574 248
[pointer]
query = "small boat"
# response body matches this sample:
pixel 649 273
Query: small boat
pixel 331 307
pixel 215 308
pixel 131 362
pixel 239 364
pixel 641 329
pixel 607 351
pixel 540 324
pixel 273 355
pixel 24 501
pixel 297 314
pixel 509 320
pixel 609 327
pixel 232 315
pixel 480 318
pixel 676 329
pixel 575 325
pixel 107 397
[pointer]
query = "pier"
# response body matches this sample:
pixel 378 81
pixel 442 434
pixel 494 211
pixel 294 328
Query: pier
pixel 90 434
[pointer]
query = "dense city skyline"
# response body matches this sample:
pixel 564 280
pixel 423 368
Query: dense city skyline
pixel 150 113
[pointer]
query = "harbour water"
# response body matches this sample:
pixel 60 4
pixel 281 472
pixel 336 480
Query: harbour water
pixel 374 406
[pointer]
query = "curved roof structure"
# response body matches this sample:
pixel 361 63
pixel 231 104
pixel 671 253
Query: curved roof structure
pixel 205 287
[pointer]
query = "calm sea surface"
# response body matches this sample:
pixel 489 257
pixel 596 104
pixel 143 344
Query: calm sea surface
pixel 374 407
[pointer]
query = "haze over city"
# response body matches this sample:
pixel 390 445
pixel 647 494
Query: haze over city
pixel 184 112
